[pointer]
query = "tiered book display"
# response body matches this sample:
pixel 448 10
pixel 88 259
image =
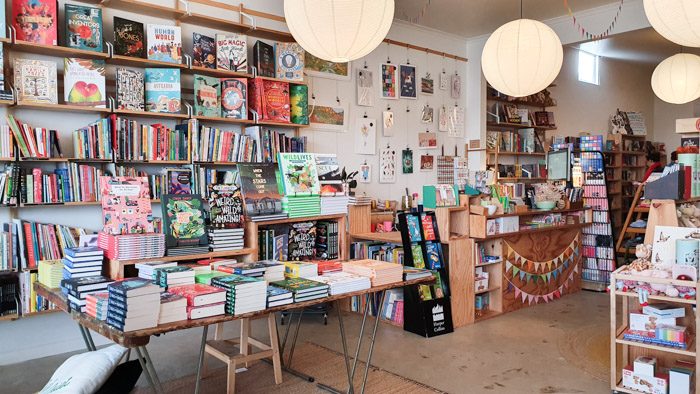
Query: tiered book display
pixel 625 163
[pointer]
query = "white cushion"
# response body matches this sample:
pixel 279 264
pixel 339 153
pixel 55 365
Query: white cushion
pixel 85 373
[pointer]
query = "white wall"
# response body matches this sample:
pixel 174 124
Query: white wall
pixel 665 116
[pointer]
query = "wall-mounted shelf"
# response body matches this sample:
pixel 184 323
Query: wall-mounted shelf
pixel 141 62
pixel 147 114
pixel 56 50
pixel 60 107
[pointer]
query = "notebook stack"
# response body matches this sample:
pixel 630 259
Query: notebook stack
pixel 77 289
pixel 274 270
pixel 343 282
pixel 410 273
pixel 96 305
pixel 173 307
pixel 206 277
pixel 202 300
pixel 301 206
pixel 132 246
pixel 243 293
pixel 379 272
pixel 334 205
pixel 82 262
pixel 359 200
pixel 146 269
pixel 222 239
pixel 303 289
pixel 50 273
pixel 300 269
pixel 277 296
pixel 253 270
pixel 133 304
pixel 173 276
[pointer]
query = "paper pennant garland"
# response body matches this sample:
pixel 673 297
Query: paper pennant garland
pixel 536 298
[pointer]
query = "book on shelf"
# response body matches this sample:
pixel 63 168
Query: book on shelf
pixel 269 99
pixel 326 244
pixel 234 98
pixel 184 224
pixel 225 207
pixel 83 27
pixel 204 176
pixel 35 21
pixel 126 205
pixel 35 81
pixel 329 176
pixel 76 183
pixel 272 245
pixel 203 51
pixel 179 180
pixel 34 142
pixel 260 189
pixel 157 183
pixel 289 61
pixel 163 90
pixel 207 96
pixel 139 142
pixel 299 104
pixel 302 241
pixel 130 89
pixel 84 82
pixel 164 43
pixel 128 38
pixel 232 52
pixel 264 59
pixel 93 141
pixel 299 174
pixel 38 241
pixel 4 94
pixel 7 142
pixel 10 184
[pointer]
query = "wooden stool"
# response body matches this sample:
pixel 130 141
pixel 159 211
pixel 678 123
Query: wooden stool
pixel 237 352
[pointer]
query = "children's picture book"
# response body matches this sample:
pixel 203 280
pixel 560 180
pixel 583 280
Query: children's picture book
pixel 36 21
pixel 164 43
pixel 183 220
pixel 126 205
pixel 207 93
pixel 203 51
pixel 232 52
pixel 290 61
pixel 414 228
pixel 130 86
pixel 434 252
pixel 128 38
pixel 264 59
pixel 234 98
pixel 260 188
pixel 84 82
pixel 225 207
pixel 428 227
pixel 329 174
pixel 163 90
pixel 270 99
pixel 83 27
pixel 179 180
pixel 302 240
pixel 417 253
pixel 299 174
pixel 299 104
pixel 35 81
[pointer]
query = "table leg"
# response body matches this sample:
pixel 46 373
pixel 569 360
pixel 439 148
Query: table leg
pixel 205 330
pixel 149 363
pixel 89 337
pixel 294 339
pixel 359 339
pixel 372 341
pixel 282 348
pixel 146 371
pixel 82 332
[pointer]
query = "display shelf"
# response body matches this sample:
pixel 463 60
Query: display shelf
pixel 60 107
pixel 503 153
pixel 690 351
pixel 280 124
pixel 154 162
pixel 143 8
pixel 55 50
pixel 487 315
pixel 488 290
pixel 12 316
pixel 623 389
pixel 141 62
pixel 202 118
pixel 190 257
pixel 44 312
pixel 533 230
pixel 518 102
pixel 393 237
pixel 211 22
pixel 534 212
pixel 215 72
pixel 657 297
pixel 283 80
pixel 7 102
pixel 516 178
pixel 44 160
pixel 271 34
pixel 59 204
pixel 301 219
pixel 148 114
pixel 488 264
pixel 505 125
pixel 216 163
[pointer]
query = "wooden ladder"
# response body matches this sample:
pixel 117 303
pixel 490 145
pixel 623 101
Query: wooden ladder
pixel 635 213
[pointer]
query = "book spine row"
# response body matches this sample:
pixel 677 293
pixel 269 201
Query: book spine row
pixel 157 183
pixel 30 301
pixel 34 142
pixel 93 141
pixel 150 143
pixel 77 183
pixel 255 145
pixel 9 185
pixel 7 143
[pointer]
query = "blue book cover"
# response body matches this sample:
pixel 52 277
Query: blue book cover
pixel 434 255
pixel 83 27
pixel 274 293
pixel 413 228
pixel 130 287
pixel 81 264
pixel 83 251
pixel 163 90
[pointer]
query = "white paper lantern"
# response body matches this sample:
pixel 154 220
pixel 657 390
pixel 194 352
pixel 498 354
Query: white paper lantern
pixel 676 80
pixel 676 20
pixel 522 57
pixel 339 30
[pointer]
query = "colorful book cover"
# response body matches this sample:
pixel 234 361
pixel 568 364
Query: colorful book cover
pixel 36 21
pixel 232 52
pixel 179 180
pixel 299 174
pixel 2 64
pixel 164 43
pixel 36 81
pixel 434 252
pixel 329 175
pixel 234 98
pixel 264 59
pixel 128 38
pixel 299 284
pixel 299 104
pixel 126 205
pixel 84 82
pixel 203 51
pixel 163 90
pixel 260 188
pixel 413 228
pixel 83 27
pixel 270 99
pixel 130 89
pixel 183 220
pixel 302 241
pixel 225 206
pixel 417 253
pixel 428 227
pixel 207 93
pixel 290 61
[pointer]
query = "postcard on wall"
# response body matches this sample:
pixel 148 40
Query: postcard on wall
pixel 390 82
pixel 317 67
pixel 426 85
pixel 364 88
pixel 443 119
pixel 387 123
pixel 427 140
pixel 456 84
pixel 366 136
pixel 329 117
pixel 387 165
pixel 407 161
pixel 456 121
pixel 444 80
pixel 365 173
pixel 407 80
pixel 427 162
pixel 426 114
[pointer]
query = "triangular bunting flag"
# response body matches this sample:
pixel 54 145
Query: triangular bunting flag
pixel 548 275
pixel 544 278
pixel 554 273
pixel 576 268
pixel 508 265
pixel 515 271
pixel 522 275
pixel 517 292
pixel 523 296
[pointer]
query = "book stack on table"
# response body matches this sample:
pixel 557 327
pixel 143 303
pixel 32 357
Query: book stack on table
pixel 173 276
pixel 334 205
pixel 225 239
pixel 300 269
pixel 173 307
pixel 77 289
pixel 301 206
pixel 96 305
pixel 303 289
pixel 132 246
pixel 253 270
pixel 146 269
pixel 274 270
pixel 244 294
pixel 206 277
pixel 277 296
pixel 202 300
pixel 343 282
pixel 82 262
pixel 379 272
pixel 51 273
pixel 133 304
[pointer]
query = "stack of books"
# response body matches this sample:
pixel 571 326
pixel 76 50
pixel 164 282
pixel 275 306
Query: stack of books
pixel 343 282
pixel 379 272
pixel 96 305
pixel 51 273
pixel 173 276
pixel 303 289
pixel 359 200
pixel 77 289
pixel 327 245
pixel 222 239
pixel 205 277
pixel 333 205
pixel 277 296
pixel 132 246
pixel 173 307
pixel 300 269
pixel 202 300
pixel 301 206
pixel 146 269
pixel 410 273
pixel 133 304
pixel 328 266
pixel 187 250
pixel 274 270
pixel 253 270
pixel 243 294
pixel 82 262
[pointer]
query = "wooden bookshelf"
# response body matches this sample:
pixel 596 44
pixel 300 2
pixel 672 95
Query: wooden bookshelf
pixel 154 162
pixel 280 124
pixel 148 114
pixel 534 230
pixel 215 163
pixel 393 237
pixel 301 219
pixel 60 107
pixel 7 102
pixel 202 118
pixel 44 160
pixel 143 8
pixel 503 153
pixel 216 23
pixel 282 80
pixel 518 102
pixel 518 179
pixel 55 50
pixel 505 125
pixel 141 62
pixel 215 72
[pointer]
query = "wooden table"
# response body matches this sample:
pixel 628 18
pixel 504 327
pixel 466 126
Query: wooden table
pixel 139 339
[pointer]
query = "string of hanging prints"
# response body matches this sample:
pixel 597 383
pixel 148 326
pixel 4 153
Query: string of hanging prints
pixel 587 34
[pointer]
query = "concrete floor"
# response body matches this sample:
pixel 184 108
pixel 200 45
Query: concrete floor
pixel 514 353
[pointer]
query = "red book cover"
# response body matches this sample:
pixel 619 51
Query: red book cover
pixel 36 21
pixel 255 97
pixel 31 259
pixel 428 228
pixel 36 172
pixel 53 245
pixel 276 101
pixel 687 178
pixel 199 294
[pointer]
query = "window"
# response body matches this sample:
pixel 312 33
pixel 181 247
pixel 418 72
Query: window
pixel 588 68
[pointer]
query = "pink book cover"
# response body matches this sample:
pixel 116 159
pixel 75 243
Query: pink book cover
pixel 126 205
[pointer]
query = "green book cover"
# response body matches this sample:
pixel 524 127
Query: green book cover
pixel 299 285
pixel 207 96
pixel 231 280
pixel 299 174
pixel 299 103
pixel 417 253
pixel 183 220
pixel 206 277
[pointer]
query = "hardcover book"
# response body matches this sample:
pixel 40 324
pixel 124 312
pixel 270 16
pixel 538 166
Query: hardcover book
pixel 203 51
pixel 264 59
pixel 232 52
pixel 300 285
pixel 207 93
pixel 413 228
pixel 434 252
pixel 128 38
pixel 299 174
pixel 126 205
pixel 260 188
pixel 84 82
pixel 163 90
pixel 428 227
pixel 130 86
pixel 183 220
pixel 83 27
pixel 36 21
pixel 329 175
pixel 302 240
pixel 35 81
pixel 417 253
pixel 225 207
pixel 179 180
pixel 164 43
pixel 290 61
pixel 234 98
pixel 270 99
pixel 299 104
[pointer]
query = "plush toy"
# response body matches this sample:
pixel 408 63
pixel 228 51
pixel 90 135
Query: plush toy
pixel 686 292
pixel 686 215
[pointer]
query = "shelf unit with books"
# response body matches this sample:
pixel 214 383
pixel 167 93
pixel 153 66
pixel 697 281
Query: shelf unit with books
pixel 54 50
pixel 148 114
pixel 60 107
pixel 120 60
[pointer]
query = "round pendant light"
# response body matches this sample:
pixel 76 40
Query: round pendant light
pixel 676 20
pixel 339 30
pixel 522 57
pixel 676 80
